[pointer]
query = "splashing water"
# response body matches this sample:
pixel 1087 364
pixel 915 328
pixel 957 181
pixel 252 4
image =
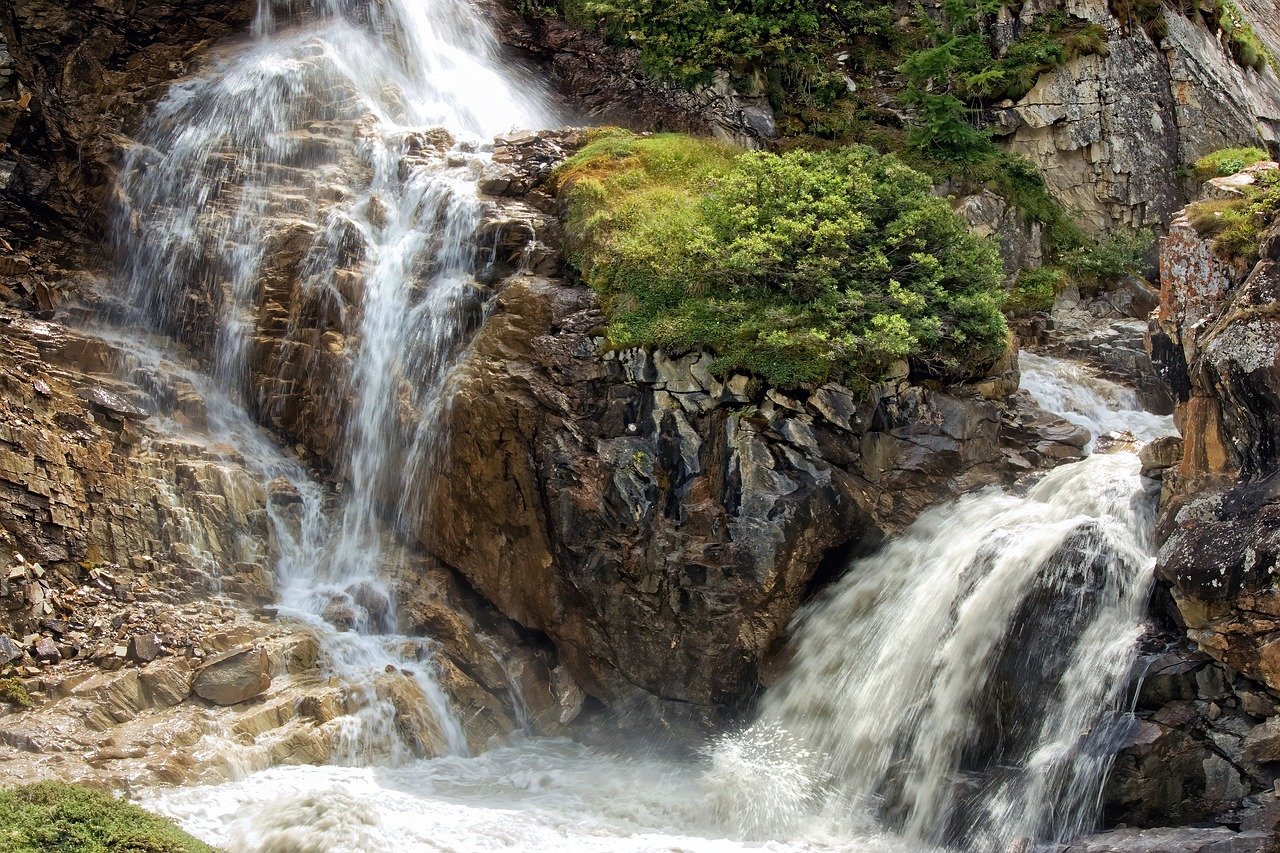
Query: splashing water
pixel 962 684
pixel 966 683
pixel 319 141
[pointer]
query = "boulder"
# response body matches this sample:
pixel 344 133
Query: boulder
pixel 144 648
pixel 233 677
pixel 9 650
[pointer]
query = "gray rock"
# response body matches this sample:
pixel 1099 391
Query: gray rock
pixel 9 650
pixel 1174 840
pixel 233 677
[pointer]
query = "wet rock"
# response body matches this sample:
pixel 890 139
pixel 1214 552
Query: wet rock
pixel 282 492
pixel 233 677
pixel 1160 455
pixel 340 613
pixel 166 682
pixel 1174 840
pixel 739 504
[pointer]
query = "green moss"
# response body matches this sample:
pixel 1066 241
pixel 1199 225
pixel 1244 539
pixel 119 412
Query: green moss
pixel 54 817
pixel 1227 161
pixel 799 267
pixel 14 692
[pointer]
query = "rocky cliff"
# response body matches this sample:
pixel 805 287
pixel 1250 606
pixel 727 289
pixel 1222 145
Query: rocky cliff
pixel 1113 131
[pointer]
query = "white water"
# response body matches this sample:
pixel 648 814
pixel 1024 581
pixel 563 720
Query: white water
pixel 960 686
pixel 966 683
pixel 861 747
pixel 321 126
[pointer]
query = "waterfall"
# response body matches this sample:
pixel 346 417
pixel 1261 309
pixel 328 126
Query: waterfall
pixel 967 683
pixel 351 133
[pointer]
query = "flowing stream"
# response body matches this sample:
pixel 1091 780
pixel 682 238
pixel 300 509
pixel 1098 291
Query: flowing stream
pixel 963 687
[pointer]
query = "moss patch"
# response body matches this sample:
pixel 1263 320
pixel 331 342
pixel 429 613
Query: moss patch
pixel 799 267
pixel 1227 161
pixel 14 692
pixel 54 817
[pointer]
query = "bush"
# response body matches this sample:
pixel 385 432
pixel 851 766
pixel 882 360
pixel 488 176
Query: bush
pixel 799 267
pixel 1095 264
pixel 1227 161
pixel 54 817
pixel 1035 290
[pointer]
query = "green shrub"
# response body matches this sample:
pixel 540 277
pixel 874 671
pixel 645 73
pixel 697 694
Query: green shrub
pixel 1227 161
pixel 1035 290
pixel 14 692
pixel 799 267
pixel 54 817
pixel 1096 263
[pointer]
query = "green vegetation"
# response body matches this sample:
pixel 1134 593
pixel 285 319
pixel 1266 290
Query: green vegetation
pixel 1227 161
pixel 54 817
pixel 799 267
pixel 1094 264
pixel 14 692
pixel 1246 48
pixel 1035 289
pixel 1236 226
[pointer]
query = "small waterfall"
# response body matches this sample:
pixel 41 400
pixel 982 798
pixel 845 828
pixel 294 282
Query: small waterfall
pixel 352 134
pixel 966 684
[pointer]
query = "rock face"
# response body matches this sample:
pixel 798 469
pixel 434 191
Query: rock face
pixel 1110 133
pixel 1216 340
pixel 73 75
pixel 1205 747
pixel 662 526
pixel 135 549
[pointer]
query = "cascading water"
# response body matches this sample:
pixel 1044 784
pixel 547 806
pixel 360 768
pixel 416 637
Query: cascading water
pixel 962 686
pixel 966 683
pixel 327 126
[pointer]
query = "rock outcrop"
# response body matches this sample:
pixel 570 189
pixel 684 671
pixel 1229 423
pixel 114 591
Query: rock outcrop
pixel 659 524
pixel 1203 749
pixel 73 77
pixel 135 557
pixel 1112 132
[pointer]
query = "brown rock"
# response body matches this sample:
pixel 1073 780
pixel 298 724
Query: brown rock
pixel 233 677
pixel 144 648
pixel 46 650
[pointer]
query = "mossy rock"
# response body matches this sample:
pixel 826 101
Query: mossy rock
pixel 56 817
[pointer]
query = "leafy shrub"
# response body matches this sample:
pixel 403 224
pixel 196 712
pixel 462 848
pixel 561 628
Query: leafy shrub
pixel 1097 263
pixel 1227 161
pixel 799 267
pixel 686 40
pixel 1035 290
pixel 54 817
